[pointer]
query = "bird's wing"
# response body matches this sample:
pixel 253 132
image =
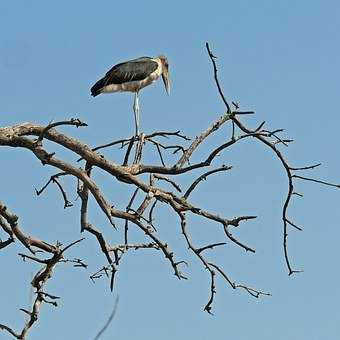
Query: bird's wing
pixel 137 69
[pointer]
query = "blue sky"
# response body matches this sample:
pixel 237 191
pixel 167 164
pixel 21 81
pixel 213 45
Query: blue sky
pixel 279 58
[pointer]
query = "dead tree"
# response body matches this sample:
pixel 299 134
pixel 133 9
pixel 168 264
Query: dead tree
pixel 129 171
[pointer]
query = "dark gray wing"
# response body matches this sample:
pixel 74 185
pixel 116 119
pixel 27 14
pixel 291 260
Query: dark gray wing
pixel 137 69
pixel 133 70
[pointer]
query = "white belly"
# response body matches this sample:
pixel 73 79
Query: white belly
pixel 132 86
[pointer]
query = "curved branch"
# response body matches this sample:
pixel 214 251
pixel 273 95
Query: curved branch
pixel 204 177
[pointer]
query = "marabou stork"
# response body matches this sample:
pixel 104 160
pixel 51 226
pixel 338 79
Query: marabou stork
pixel 132 76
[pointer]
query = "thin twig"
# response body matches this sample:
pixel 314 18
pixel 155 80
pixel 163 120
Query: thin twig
pixel 204 177
pixel 109 320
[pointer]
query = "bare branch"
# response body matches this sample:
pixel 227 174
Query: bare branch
pixel 73 121
pixel 167 179
pixel 4 244
pixel 108 322
pixel 210 246
pixel 10 330
pixel 220 91
pixel 317 181
pixel 204 177
pixel 306 167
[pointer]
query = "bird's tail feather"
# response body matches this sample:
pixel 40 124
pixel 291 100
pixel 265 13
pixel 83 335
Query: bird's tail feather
pixel 97 87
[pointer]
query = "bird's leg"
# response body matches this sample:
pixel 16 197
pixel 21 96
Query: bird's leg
pixel 136 113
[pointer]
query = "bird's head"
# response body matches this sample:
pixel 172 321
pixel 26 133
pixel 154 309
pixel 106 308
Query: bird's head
pixel 165 73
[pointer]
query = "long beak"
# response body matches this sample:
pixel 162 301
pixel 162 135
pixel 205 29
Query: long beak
pixel 166 80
